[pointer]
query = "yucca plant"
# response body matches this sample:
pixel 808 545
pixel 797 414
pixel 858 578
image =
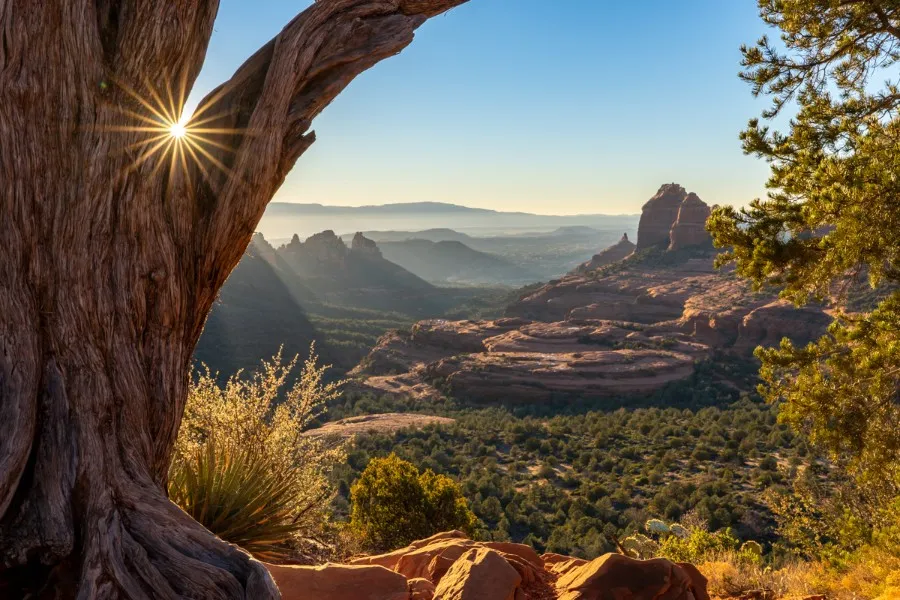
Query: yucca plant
pixel 235 494
pixel 242 466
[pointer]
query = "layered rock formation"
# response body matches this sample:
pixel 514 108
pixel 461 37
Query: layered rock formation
pixel 449 566
pixel 632 320
pixel 621 249
pixel 674 219
pixel 689 228
pixel 629 331
pixel 658 215
pixel 524 361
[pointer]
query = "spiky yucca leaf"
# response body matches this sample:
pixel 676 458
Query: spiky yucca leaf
pixel 236 494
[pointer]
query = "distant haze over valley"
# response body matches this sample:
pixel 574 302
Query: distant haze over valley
pixel 282 220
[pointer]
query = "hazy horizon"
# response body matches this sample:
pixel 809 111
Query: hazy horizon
pixel 636 212
pixel 585 110
pixel 284 219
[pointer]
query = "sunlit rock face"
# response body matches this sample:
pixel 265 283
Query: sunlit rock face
pixel 449 566
pixel 689 228
pixel 673 218
pixel 658 215
pixel 627 322
pixel 631 330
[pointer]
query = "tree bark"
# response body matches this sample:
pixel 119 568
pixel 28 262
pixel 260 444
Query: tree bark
pixel 110 259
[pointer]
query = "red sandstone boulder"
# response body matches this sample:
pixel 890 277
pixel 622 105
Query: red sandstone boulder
pixel 698 580
pixel 433 561
pixel 617 577
pixel 560 564
pixel 421 589
pixel 689 228
pixel 522 551
pixel 339 582
pixel 449 566
pixel 391 559
pixel 480 574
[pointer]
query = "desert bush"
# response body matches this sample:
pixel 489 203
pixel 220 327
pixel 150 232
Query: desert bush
pixel 393 504
pixel 870 571
pixel 699 545
pixel 729 575
pixel 242 466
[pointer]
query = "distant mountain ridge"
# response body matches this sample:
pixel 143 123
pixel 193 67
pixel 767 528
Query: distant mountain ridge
pixel 451 261
pixel 437 234
pixel 284 219
pixel 342 295
pixel 401 207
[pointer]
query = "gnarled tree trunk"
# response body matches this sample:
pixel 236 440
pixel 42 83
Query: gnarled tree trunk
pixel 114 241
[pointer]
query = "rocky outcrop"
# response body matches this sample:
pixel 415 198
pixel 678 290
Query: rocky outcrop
pixel 620 250
pixel 325 247
pixel 539 376
pixel 449 566
pixel 339 582
pixel 514 359
pixel 617 577
pixel 658 215
pixel 640 292
pixel 689 228
pixel 479 574
pixel 631 331
pixel 766 325
pixel 381 423
pixel 364 246
pixel 673 219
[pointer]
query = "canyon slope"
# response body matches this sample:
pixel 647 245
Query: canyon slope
pixel 616 326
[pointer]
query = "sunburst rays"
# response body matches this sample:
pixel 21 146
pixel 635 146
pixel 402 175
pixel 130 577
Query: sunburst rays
pixel 171 138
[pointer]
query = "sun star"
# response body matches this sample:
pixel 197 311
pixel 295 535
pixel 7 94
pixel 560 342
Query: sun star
pixel 172 140
pixel 177 130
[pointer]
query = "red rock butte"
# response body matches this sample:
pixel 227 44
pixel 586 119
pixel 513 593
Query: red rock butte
pixel 673 218
pixel 689 228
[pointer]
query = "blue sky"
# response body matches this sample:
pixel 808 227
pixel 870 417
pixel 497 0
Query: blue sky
pixel 545 106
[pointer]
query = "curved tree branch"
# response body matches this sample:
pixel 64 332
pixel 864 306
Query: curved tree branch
pixel 114 248
pixel 272 100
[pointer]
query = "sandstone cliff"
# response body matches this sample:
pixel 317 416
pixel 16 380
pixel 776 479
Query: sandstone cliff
pixel 658 215
pixel 673 218
pixel 689 228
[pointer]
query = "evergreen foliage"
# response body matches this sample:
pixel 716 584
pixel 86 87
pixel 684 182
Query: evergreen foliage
pixel 831 220
pixel 394 504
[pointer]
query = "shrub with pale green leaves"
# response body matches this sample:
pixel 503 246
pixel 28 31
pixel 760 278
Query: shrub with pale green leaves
pixel 242 466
